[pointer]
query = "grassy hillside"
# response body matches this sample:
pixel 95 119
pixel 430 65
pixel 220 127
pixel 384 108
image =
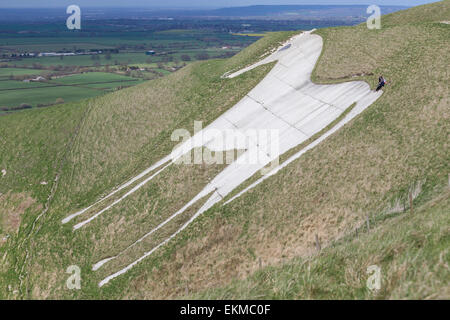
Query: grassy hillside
pixel 412 251
pixel 91 147
pixel 366 169
pixel 13 93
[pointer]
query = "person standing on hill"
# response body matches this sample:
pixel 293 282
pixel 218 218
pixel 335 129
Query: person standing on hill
pixel 381 83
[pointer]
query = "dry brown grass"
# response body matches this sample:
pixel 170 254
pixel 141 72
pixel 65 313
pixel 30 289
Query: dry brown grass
pixel 129 130
pixel 12 207
pixel 142 211
pixel 411 250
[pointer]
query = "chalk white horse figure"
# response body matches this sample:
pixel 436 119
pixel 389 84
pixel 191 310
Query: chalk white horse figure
pixel 286 102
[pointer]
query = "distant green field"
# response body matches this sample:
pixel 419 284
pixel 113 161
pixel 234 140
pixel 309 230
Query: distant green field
pixel 69 88
pixel 6 72
pixel 163 71
pixel 45 95
pixel 174 49
pixel 85 60
pixel 112 85
pixel 90 77
pixel 51 46
pixel 194 38
pixel 118 58
pixel 249 34
pixel 98 80
pixel 15 84
pixel 179 31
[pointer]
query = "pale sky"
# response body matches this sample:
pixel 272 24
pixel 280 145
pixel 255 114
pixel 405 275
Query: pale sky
pixel 194 3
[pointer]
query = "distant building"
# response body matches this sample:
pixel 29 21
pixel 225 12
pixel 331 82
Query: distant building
pixel 39 78
pixel 27 55
pixel 55 54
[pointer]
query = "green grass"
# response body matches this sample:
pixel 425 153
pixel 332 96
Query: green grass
pixel 47 41
pixel 46 95
pixel 170 46
pixel 113 85
pixel 91 77
pixel 84 60
pixel 359 170
pixel 16 84
pixel 413 255
pixel 130 58
pixel 69 88
pixel 6 72
pixel 179 31
pixel 138 122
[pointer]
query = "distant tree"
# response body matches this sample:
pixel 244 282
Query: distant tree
pixel 23 106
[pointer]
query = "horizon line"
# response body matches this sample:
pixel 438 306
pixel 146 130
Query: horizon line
pixel 204 7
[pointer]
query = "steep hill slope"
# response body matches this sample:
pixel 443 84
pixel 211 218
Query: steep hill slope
pixel 412 251
pixel 367 168
pixel 91 147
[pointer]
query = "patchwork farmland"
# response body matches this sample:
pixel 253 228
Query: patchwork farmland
pixel 57 90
